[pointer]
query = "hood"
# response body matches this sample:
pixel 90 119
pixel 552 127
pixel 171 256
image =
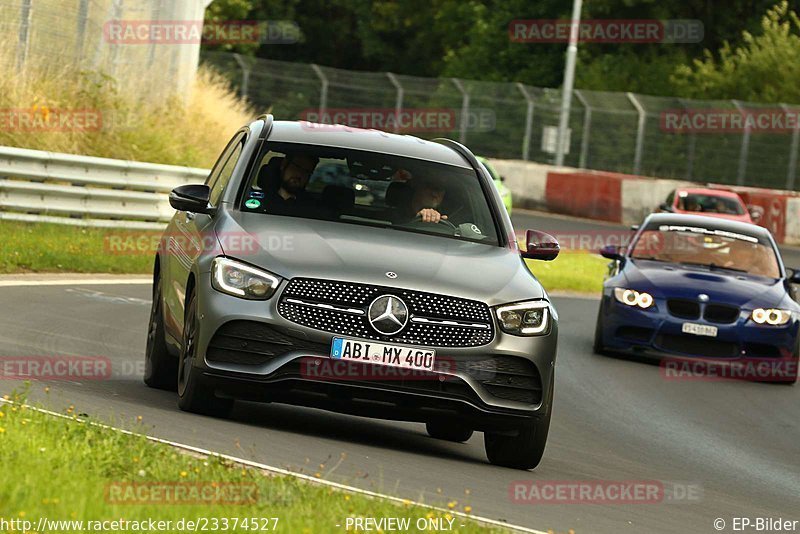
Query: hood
pixel 293 247
pixel 675 281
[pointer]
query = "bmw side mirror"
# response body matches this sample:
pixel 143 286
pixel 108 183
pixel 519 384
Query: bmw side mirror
pixel 611 252
pixel 540 246
pixel 794 276
pixel 192 198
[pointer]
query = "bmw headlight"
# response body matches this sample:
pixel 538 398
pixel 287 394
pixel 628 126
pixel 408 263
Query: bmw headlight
pixel 242 280
pixel 631 297
pixel 524 319
pixel 771 316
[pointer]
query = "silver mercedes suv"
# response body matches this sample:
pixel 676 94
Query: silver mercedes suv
pixel 361 272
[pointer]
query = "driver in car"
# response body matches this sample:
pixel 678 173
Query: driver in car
pixel 427 195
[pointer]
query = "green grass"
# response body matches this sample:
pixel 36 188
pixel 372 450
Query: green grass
pixel 581 272
pixel 62 469
pixel 42 248
pixel 26 247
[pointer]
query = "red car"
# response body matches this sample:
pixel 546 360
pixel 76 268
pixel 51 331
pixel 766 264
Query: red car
pixel 712 202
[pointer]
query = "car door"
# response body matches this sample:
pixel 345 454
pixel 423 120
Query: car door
pixel 193 231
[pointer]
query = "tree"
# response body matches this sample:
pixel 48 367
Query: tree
pixel 764 68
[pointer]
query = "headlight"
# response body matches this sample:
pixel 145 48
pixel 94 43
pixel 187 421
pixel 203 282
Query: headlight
pixel 524 319
pixel 771 316
pixel 633 298
pixel 241 280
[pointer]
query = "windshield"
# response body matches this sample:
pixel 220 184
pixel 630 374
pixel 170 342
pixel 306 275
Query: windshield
pixel 372 189
pixel 709 204
pixel 707 247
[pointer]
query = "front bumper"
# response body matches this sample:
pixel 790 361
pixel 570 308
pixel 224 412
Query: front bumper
pixel 494 386
pixel 658 334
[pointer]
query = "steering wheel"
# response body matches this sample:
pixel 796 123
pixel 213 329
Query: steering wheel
pixel 418 220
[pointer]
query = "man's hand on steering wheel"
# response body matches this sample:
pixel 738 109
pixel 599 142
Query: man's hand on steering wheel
pixel 430 215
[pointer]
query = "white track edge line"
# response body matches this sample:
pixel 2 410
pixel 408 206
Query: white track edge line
pixel 285 472
pixel 76 282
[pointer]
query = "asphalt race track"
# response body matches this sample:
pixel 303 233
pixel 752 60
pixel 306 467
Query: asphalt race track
pixel 614 420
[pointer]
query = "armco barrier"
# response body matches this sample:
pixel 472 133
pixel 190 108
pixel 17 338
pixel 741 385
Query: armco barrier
pixel 39 186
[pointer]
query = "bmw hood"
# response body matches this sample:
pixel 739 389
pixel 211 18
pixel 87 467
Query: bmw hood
pixel 728 287
pixel 293 247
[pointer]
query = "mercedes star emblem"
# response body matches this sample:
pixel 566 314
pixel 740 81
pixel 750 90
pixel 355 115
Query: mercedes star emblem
pixel 391 275
pixel 388 314
pixel 702 297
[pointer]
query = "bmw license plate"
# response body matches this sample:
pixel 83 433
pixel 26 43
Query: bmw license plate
pixel 699 329
pixel 383 354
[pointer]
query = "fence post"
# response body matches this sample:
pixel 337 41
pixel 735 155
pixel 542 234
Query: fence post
pixel 116 7
pixel 24 33
pixel 526 140
pixel 462 135
pixel 791 172
pixel 637 158
pixel 323 91
pixel 245 75
pixel 745 148
pixel 691 147
pixel 398 103
pixel 587 129
pixel 83 17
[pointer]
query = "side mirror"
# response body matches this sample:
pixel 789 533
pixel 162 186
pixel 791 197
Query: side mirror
pixel 191 197
pixel 634 227
pixel 611 252
pixel 793 276
pixel 540 246
pixel 756 212
pixel 665 207
pixel 502 178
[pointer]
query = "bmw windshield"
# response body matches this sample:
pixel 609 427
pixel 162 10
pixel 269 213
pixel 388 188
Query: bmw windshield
pixel 373 189
pixel 704 247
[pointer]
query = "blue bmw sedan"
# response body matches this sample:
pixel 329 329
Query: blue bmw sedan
pixel 691 288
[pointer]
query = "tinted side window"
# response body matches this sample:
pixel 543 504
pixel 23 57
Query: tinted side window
pixel 225 173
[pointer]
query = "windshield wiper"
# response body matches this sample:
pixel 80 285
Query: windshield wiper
pixel 713 266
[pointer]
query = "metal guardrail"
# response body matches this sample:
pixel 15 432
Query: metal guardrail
pixel 38 186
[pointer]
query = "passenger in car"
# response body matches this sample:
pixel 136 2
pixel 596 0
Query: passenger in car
pixel 284 181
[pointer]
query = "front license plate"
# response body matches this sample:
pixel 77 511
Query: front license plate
pixel 383 354
pixel 699 329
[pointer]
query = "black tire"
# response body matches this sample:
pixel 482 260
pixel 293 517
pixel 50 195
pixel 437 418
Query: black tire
pixel 448 431
pixel 160 367
pixel 598 346
pixel 525 450
pixel 193 394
